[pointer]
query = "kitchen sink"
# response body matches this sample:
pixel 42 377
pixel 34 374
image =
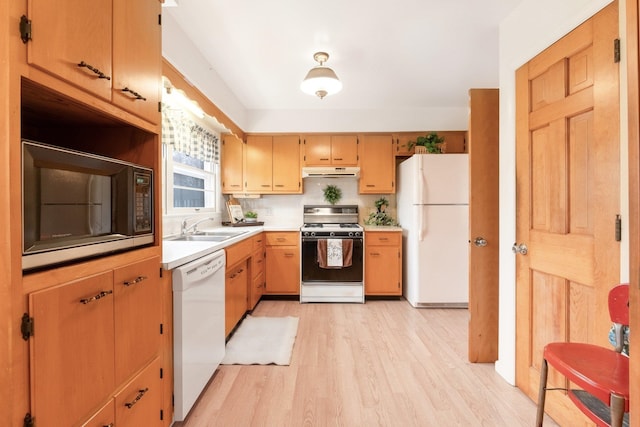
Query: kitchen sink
pixel 199 238
pixel 208 236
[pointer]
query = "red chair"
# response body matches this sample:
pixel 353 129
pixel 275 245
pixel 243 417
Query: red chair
pixel 601 373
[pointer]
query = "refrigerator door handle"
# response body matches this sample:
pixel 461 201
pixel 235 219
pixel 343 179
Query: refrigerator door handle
pixel 421 230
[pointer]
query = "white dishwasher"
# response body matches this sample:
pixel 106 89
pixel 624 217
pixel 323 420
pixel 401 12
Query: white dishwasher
pixel 198 325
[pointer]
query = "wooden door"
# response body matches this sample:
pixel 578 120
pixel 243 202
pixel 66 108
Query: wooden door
pixel 72 349
pixel 317 150
pixel 137 57
pixel 344 150
pixel 286 164
pixel 138 314
pixel 483 225
pixel 258 164
pixel 633 71
pixel 377 165
pixel 232 149
pixel 567 171
pixel 70 32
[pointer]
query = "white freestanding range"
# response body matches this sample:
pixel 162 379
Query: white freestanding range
pixel 433 210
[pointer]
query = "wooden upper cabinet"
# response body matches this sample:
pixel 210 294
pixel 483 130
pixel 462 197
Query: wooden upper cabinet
pixel 258 164
pixel 67 33
pixel 137 66
pixel 286 164
pixel 377 165
pixel 231 164
pixel 271 164
pixel 331 150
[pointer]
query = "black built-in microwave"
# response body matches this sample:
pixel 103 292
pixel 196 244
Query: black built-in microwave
pixel 77 205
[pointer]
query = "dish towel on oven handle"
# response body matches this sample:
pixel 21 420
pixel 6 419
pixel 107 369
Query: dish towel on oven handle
pixel 335 253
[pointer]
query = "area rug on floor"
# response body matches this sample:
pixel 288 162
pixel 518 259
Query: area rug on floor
pixel 262 341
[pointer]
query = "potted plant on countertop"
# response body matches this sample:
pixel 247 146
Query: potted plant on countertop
pixel 431 143
pixel 250 216
pixel 380 217
pixel 332 194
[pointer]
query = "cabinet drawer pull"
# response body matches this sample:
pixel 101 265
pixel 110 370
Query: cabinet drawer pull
pixel 135 94
pixel 241 270
pixel 370 185
pixel 288 255
pixel 338 158
pixel 108 425
pixel 100 74
pixel 134 281
pixel 383 238
pixel 233 276
pixel 279 185
pixel 265 185
pixel 141 393
pixel 325 159
pixel 374 253
pixel 96 297
pixel 280 239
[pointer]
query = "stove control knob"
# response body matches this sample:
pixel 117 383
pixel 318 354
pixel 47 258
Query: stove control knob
pixel 351 234
pixel 357 234
pixel 313 233
pixel 332 234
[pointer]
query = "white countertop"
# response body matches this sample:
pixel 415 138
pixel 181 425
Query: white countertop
pixel 177 253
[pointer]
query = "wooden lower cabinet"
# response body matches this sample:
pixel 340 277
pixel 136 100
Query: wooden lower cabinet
pixel 235 295
pixel 72 366
pixel 140 402
pixel 383 263
pixel 256 288
pixel 137 404
pixel 93 335
pixel 282 255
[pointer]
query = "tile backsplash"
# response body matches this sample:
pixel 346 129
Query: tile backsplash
pixel 286 210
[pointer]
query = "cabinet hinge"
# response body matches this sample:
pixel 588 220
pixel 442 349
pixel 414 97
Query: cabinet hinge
pixel 159 107
pixel 161 328
pixel 161 415
pixel 159 19
pixel 26 327
pixel 25 29
pixel 161 272
pixel 161 373
pixel 616 50
pixel 28 420
pixel 618 228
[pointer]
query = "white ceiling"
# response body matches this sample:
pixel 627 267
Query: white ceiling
pixel 404 54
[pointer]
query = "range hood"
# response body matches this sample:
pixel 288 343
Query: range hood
pixel 330 172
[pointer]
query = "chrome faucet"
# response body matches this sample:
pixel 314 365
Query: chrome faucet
pixel 184 229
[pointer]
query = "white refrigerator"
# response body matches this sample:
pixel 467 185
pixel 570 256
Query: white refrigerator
pixel 433 210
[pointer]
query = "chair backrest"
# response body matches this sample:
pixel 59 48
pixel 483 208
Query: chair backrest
pixel 619 304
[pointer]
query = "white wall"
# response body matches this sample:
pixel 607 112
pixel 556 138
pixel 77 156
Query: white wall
pixel 533 26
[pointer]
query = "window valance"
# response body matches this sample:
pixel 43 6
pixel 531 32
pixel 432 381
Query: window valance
pixel 189 137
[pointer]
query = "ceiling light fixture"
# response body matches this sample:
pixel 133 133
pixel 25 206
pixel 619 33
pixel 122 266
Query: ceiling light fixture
pixel 321 80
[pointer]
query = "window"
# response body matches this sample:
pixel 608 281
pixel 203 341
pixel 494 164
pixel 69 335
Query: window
pixel 190 183
pixel 191 178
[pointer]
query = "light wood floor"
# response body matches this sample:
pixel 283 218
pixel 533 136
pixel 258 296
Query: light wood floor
pixel 382 363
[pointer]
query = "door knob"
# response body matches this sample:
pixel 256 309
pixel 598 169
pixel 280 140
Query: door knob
pixel 519 249
pixel 480 242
